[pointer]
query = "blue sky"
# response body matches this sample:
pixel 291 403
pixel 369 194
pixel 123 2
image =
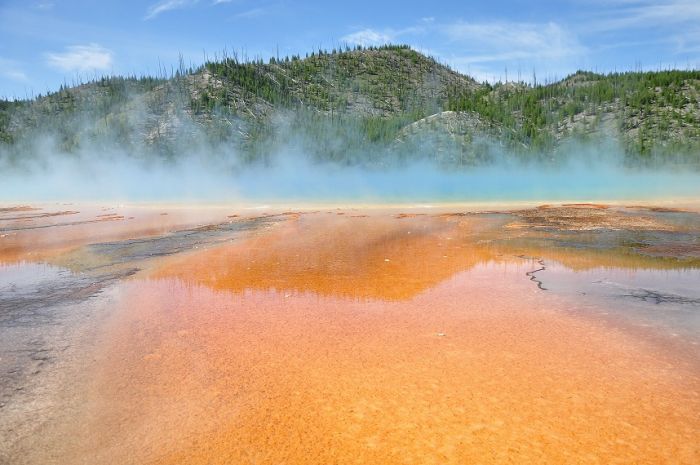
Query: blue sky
pixel 44 43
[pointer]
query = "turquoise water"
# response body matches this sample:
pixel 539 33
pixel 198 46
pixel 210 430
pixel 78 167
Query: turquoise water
pixel 421 183
pixel 303 181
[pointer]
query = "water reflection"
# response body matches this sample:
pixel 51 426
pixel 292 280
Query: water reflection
pixel 664 300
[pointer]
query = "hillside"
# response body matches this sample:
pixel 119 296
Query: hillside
pixel 362 105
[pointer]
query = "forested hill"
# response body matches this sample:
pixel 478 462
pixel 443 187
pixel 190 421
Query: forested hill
pixel 360 105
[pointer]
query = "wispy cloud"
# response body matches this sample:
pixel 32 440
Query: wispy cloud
pixel 673 25
pixel 15 75
pixel 81 58
pixel 253 13
pixel 636 14
pixel 219 2
pixel 45 5
pixel 687 42
pixel 167 5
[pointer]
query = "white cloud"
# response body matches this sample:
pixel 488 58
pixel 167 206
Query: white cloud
pixel 486 49
pixel 498 41
pixel 167 5
pixel 81 58
pixel 367 37
pixel 219 2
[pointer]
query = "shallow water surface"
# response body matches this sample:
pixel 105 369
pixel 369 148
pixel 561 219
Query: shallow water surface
pixel 348 336
pixel 667 301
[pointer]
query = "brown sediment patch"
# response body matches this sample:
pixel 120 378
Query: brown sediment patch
pixel 408 215
pixel 288 214
pixel 38 215
pixel 469 213
pixel 629 241
pixel 21 208
pixel 586 218
pixel 453 215
pixel 659 209
pixel 458 374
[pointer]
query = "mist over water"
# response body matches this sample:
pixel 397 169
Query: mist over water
pixel 297 179
pixel 210 173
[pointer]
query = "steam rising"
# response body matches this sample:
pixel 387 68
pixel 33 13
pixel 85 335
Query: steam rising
pixel 293 177
pixel 202 171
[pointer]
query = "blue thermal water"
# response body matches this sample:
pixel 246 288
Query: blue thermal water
pixel 298 180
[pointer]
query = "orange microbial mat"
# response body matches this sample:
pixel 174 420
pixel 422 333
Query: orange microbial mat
pixel 362 338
